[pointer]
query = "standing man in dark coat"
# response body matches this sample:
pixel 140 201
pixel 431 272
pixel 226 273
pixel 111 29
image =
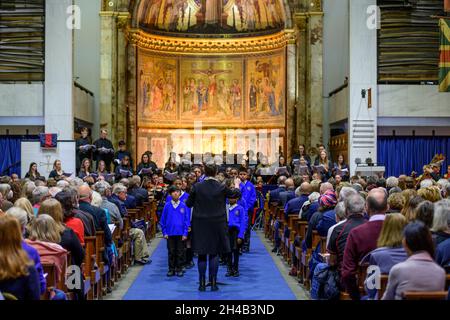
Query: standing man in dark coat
pixel 104 150
pixel 209 223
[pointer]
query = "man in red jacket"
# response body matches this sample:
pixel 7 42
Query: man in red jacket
pixel 363 239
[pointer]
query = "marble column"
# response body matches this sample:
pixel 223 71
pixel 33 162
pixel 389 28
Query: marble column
pixel 301 110
pixel 121 105
pixel 314 78
pixel 132 100
pixel 107 73
pixel 291 77
pixel 58 106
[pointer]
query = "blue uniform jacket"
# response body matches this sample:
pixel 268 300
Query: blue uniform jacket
pixel 237 217
pixel 294 205
pixel 328 220
pixel 183 199
pixel 248 192
pixel 175 221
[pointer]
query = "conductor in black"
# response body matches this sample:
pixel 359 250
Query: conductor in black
pixel 209 223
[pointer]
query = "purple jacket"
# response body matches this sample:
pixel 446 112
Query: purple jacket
pixel 34 255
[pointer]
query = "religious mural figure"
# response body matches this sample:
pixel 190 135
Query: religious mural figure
pixel 220 16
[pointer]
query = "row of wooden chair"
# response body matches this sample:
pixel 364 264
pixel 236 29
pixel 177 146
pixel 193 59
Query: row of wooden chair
pixel 97 275
pixel 294 256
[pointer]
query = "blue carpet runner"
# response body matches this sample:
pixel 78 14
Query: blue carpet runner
pixel 260 279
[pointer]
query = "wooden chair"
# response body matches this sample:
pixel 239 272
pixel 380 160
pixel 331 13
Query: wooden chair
pixel 431 295
pixel 91 269
pixel 447 282
pixel 51 280
pixel 103 268
pixel 383 285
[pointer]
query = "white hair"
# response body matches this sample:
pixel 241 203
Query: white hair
pixel 19 214
pixel 118 188
pixel 443 183
pixel 426 183
pixel 62 184
pixel 392 182
pixel 298 192
pixel 54 191
pixel 313 197
pixel 345 193
pixel 76 182
pixel 96 199
pixel 340 210
pixel 441 217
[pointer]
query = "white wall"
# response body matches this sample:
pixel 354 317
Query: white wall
pixel 363 75
pixel 87 53
pixel 22 99
pixel 335 57
pixel 58 70
pixel 335 44
pixel 339 106
pixel 412 101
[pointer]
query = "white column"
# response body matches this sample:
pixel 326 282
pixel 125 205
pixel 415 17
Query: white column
pixel 58 109
pixel 362 75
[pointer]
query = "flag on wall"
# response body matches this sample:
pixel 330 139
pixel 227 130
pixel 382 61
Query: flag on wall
pixel 48 140
pixel 444 62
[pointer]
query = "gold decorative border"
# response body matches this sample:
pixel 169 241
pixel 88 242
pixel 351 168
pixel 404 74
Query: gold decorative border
pixel 229 46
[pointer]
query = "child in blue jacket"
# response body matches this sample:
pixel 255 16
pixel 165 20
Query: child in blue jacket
pixel 236 230
pixel 175 223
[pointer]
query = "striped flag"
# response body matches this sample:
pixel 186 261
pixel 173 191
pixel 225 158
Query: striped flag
pixel 48 140
pixel 444 62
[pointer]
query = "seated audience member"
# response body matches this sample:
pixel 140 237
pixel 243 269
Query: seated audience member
pixel 274 195
pixel 40 194
pixel 289 194
pixel 354 212
pixel 45 237
pixel 391 182
pixel 396 190
pixel 69 203
pixel 70 221
pixel 363 239
pixel 130 201
pixel 104 189
pixel 311 206
pixel 97 214
pixel 419 272
pixel 293 206
pixel 317 216
pixel 22 217
pixel 395 202
pixel 18 275
pixel 135 189
pixel 409 210
pixel 441 220
pixel 340 219
pixel 25 204
pixel 432 194
pixel 6 194
pixel 69 239
pixel 443 255
pixel 141 253
pixel 390 250
pixel 425 213
pixel 327 203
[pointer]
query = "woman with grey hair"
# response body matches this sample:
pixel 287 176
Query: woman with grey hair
pixel 441 221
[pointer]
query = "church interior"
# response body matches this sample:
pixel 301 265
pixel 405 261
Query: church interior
pixel 352 95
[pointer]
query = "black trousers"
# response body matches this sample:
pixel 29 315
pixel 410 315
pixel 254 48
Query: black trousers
pixel 248 231
pixel 175 247
pixel 233 256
